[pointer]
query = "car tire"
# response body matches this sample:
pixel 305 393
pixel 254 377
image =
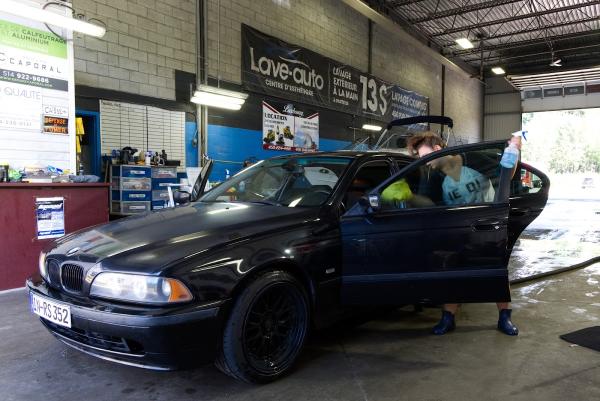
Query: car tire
pixel 266 329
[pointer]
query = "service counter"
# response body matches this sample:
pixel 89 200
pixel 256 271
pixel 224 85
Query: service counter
pixel 31 213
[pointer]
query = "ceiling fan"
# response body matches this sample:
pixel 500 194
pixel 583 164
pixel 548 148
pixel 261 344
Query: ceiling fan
pixel 556 62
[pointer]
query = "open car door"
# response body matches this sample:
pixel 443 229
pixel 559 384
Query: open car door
pixel 200 185
pixel 528 196
pixel 420 238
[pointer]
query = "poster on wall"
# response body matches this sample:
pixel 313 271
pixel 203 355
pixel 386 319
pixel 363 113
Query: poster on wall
pixel 287 127
pixel 37 95
pixel 50 217
pixel 277 68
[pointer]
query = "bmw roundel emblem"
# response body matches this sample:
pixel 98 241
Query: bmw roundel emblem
pixel 72 251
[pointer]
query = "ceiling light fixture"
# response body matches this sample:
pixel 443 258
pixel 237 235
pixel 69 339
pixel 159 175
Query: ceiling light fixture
pixel 498 71
pixel 464 43
pixel 371 127
pixel 48 17
pixel 216 97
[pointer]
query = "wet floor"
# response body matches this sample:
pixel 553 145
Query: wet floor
pixel 566 233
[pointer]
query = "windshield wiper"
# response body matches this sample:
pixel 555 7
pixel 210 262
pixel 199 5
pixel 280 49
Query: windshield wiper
pixel 265 202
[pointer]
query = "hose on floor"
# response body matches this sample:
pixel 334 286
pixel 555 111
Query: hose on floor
pixel 561 270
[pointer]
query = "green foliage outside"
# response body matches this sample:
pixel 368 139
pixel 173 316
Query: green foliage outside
pixel 563 142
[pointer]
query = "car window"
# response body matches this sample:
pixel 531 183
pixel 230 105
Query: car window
pixel 461 178
pixel 525 182
pixel 294 181
pixel 369 175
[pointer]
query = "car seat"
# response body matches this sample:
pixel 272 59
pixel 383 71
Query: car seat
pixel 359 187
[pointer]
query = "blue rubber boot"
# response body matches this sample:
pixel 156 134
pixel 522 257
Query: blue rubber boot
pixel 445 324
pixel 505 325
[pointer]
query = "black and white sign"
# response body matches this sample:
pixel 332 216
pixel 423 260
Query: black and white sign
pixel 280 69
pixel 56 312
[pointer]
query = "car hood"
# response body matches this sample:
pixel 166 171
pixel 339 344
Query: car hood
pixel 148 242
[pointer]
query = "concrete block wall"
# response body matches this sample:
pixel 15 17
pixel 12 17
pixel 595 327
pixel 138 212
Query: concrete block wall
pixel 145 42
pixel 327 27
pixel 335 30
pixel 399 59
pixel 464 104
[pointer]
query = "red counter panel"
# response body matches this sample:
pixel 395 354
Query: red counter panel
pixel 85 205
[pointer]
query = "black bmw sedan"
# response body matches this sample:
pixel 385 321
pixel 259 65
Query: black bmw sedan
pixel 241 274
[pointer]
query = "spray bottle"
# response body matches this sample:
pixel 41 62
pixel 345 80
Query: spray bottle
pixel 511 152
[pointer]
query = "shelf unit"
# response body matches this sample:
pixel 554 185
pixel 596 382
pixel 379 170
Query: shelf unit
pixel 138 189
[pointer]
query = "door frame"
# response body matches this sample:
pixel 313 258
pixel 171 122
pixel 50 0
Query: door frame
pixel 95 140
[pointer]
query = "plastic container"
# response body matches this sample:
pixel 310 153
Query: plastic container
pixel 511 152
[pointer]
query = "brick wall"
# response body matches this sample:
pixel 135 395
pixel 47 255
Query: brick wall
pixel 333 29
pixel 145 42
pixel 326 27
pixel 148 39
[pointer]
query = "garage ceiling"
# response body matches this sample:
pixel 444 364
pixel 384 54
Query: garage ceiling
pixel 523 37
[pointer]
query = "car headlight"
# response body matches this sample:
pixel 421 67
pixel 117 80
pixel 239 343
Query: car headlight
pixel 139 288
pixel 42 265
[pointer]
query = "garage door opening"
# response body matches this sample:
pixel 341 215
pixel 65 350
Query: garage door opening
pixel 566 146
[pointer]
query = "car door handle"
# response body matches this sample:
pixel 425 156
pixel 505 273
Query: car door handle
pixel 486 225
pixel 519 211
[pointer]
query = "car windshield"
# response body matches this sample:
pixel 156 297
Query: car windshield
pixel 288 181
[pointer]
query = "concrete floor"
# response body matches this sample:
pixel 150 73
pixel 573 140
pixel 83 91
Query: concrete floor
pixel 392 357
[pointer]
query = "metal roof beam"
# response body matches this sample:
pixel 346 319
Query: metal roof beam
pixel 400 3
pixel 515 18
pixel 461 10
pixel 524 43
pixel 562 53
pixel 529 30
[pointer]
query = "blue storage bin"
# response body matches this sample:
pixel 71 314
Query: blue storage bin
pixel 136 196
pixel 161 183
pixel 164 172
pixel 157 205
pixel 136 171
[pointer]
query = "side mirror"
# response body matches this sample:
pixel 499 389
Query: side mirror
pixel 371 201
pixel 374 202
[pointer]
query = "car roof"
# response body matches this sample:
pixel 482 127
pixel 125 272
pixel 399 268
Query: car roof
pixel 354 154
pixel 360 154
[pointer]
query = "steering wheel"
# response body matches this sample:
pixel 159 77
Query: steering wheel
pixel 320 194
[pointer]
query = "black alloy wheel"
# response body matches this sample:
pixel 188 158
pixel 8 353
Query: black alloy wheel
pixel 266 329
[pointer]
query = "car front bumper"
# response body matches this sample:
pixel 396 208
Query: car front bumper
pixel 157 338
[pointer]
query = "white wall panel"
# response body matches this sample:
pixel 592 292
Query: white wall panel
pixel 591 100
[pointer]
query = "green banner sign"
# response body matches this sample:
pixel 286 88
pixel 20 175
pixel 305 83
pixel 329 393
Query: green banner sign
pixel 35 40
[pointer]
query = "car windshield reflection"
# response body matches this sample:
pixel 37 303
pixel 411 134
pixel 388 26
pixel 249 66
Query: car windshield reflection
pixel 288 181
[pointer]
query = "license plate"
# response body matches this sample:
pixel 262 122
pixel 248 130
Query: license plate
pixel 53 311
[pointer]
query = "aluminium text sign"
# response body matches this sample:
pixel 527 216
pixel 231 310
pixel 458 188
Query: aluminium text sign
pixel 280 69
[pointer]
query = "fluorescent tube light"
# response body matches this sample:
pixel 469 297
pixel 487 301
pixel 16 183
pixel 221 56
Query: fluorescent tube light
pixel 464 43
pixel 48 17
pixel 371 127
pixel 498 71
pixel 217 97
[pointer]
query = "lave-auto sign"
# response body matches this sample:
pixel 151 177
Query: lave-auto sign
pixel 280 69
